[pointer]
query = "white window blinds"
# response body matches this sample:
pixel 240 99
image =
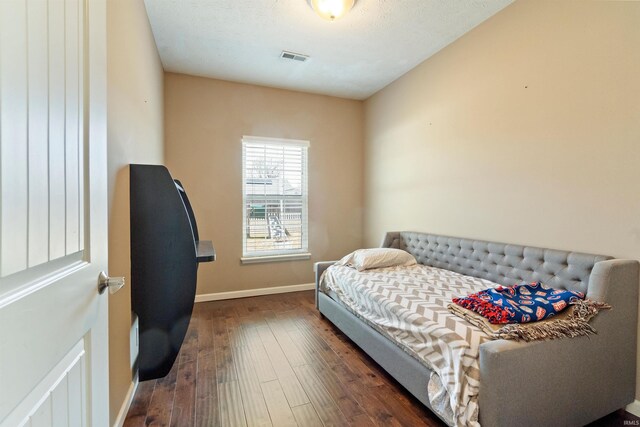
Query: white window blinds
pixel 274 186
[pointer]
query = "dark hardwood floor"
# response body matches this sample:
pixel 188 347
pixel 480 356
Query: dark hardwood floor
pixel 271 361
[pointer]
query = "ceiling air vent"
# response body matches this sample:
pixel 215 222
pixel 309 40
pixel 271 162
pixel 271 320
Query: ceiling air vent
pixel 294 56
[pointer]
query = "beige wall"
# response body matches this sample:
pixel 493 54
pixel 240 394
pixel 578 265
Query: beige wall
pixel 205 120
pixel 135 134
pixel 525 130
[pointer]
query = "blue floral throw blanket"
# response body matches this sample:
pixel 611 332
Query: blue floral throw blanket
pixel 519 303
pixel 528 312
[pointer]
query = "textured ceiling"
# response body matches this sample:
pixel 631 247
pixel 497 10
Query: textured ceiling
pixel 353 57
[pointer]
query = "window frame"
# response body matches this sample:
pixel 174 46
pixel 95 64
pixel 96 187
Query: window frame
pixel 277 255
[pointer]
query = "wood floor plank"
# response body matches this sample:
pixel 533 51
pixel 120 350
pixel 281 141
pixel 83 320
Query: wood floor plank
pixel 262 363
pixel 377 410
pixel 316 351
pixel 273 304
pixel 375 406
pixel 272 360
pixel 281 367
pixel 161 405
pixel 280 328
pixel 279 409
pixel 338 392
pixel 184 403
pixel 237 335
pixel 276 356
pixel 322 401
pixel 189 350
pixel 306 416
pixel 380 410
pixel 250 308
pixel 225 369
pixel 231 406
pixel 250 330
pixel 288 317
pixel 242 310
pixel 205 332
pixel 253 399
pixel 346 351
pixel 207 412
pixel 363 420
pixel 409 409
pixel 220 336
pixel 137 414
pixel 293 391
pixel 409 403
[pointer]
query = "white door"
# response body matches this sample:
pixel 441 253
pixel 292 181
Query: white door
pixel 53 213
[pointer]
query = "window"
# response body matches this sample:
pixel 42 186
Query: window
pixel 274 184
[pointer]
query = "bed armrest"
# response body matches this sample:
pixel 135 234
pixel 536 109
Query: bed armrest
pixel 319 268
pixel 573 380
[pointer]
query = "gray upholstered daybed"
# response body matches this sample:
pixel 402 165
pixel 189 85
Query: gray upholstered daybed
pixel 592 376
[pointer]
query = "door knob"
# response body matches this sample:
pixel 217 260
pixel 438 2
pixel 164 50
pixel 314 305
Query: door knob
pixel 113 283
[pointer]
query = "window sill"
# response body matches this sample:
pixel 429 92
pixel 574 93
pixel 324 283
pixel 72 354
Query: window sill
pixel 274 258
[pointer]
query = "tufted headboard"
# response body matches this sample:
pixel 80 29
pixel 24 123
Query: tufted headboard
pixel 500 263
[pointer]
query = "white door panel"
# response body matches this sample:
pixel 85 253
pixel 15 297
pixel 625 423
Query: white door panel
pixel 13 137
pixel 38 100
pixel 47 324
pixel 72 129
pixel 57 189
pixel 53 213
pixel 57 399
pixel 42 114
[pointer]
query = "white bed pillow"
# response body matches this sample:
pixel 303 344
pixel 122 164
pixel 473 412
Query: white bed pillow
pixel 367 259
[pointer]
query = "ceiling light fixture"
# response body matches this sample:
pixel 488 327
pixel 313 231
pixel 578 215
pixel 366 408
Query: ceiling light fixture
pixel 332 9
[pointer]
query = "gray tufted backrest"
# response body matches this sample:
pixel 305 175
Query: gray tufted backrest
pixel 500 263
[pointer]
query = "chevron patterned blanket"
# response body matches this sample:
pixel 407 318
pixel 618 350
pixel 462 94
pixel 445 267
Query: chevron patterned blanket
pixel 409 305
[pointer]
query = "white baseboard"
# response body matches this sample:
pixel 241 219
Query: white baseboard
pixel 122 414
pixel 254 292
pixel 634 408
